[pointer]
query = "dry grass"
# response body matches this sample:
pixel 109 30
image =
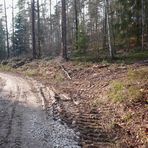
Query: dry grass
pixel 6 68
pixel 31 72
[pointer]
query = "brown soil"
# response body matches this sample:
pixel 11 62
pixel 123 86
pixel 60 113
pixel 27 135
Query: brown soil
pixel 87 109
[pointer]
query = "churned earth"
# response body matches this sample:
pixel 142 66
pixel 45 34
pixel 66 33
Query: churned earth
pixel 88 105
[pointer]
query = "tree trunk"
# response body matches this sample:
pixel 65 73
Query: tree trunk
pixel 112 30
pixel 33 29
pixel 7 35
pixel 39 30
pixel 76 22
pixel 104 29
pixel 108 30
pixel 142 28
pixel 64 31
pixel 138 21
pixel 13 25
pixel 51 30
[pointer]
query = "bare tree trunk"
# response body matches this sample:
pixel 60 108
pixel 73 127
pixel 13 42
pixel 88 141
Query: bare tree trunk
pixel 13 25
pixel 7 35
pixel 33 29
pixel 50 15
pixel 39 30
pixel 112 30
pixel 104 29
pixel 51 44
pixel 108 30
pixel 64 31
pixel 142 4
pixel 76 22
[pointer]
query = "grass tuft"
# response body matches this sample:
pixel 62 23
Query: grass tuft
pixel 31 72
pixel 117 93
pixel 6 68
pixel 127 117
pixel 59 77
pixel 141 74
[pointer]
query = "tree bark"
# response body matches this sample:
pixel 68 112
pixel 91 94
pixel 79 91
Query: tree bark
pixel 39 30
pixel 108 30
pixel 13 25
pixel 104 29
pixel 7 34
pixel 76 22
pixel 51 28
pixel 64 31
pixel 142 28
pixel 33 29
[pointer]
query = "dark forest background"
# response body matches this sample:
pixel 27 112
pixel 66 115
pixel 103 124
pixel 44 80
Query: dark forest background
pixel 75 29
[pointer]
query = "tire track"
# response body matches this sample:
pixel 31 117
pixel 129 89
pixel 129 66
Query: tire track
pixel 26 123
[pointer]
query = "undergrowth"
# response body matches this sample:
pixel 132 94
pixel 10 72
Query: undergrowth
pixel 6 68
pixel 125 58
pixel 132 88
pixel 31 72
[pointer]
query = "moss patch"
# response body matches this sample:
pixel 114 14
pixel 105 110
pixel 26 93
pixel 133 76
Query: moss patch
pixel 132 88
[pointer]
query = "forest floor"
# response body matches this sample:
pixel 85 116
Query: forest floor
pixel 106 104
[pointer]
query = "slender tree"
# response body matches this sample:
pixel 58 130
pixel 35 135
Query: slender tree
pixel 104 28
pixel 2 40
pixel 39 29
pixel 13 25
pixel 108 30
pixel 51 23
pixel 7 34
pixel 64 31
pixel 33 28
pixel 142 27
pixel 76 22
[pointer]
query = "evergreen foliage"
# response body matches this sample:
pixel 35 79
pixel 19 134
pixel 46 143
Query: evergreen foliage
pixel 2 40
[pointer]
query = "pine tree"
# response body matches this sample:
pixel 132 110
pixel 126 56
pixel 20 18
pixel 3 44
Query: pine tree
pixel 20 39
pixel 7 34
pixel 2 40
pixel 64 31
pixel 34 54
pixel 19 36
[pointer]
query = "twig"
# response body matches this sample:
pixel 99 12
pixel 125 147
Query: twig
pixel 62 67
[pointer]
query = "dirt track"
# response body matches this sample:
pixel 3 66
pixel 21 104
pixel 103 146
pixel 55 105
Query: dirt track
pixel 23 123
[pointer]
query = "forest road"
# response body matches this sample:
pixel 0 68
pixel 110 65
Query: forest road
pixel 23 122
